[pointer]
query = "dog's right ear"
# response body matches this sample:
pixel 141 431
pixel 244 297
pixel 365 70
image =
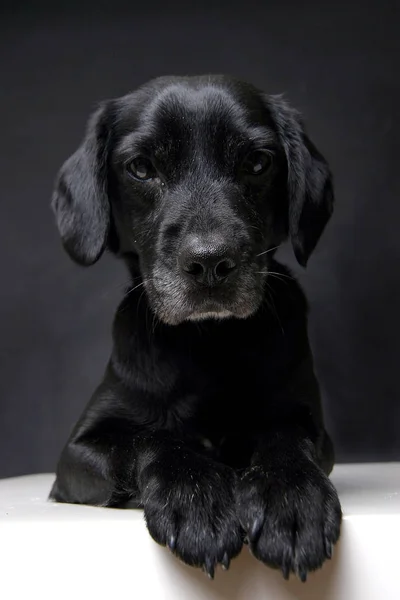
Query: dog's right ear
pixel 80 200
pixel 310 186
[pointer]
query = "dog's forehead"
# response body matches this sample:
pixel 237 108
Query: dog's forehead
pixel 206 103
pixel 182 109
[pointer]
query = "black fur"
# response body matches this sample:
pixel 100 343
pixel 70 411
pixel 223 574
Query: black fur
pixel 209 413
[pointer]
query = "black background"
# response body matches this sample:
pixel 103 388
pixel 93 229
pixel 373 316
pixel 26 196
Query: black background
pixel 338 62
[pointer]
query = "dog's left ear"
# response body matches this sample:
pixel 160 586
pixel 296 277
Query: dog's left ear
pixel 80 198
pixel 310 186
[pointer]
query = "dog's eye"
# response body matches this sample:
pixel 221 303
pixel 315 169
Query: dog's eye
pixel 142 169
pixel 257 162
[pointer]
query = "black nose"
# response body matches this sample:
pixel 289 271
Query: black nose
pixel 208 260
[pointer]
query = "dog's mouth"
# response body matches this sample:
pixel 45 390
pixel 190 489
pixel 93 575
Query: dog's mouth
pixel 175 301
pixel 211 309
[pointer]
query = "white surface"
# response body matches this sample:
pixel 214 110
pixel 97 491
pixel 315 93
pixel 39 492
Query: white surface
pixel 59 551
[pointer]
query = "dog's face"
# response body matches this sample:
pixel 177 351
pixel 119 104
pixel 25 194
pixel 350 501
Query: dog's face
pixel 199 179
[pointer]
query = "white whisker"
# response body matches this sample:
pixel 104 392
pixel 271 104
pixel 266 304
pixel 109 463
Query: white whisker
pixel 135 288
pixel 274 274
pixel 139 285
pixel 266 251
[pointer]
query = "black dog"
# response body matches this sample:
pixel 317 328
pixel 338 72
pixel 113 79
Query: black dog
pixel 209 413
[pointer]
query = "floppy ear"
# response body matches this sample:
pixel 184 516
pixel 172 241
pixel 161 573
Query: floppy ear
pixel 310 186
pixel 80 201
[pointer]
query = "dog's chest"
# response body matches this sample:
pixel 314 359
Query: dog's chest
pixel 217 379
pixel 222 387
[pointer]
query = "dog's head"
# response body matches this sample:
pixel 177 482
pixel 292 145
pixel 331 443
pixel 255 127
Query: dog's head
pixel 197 180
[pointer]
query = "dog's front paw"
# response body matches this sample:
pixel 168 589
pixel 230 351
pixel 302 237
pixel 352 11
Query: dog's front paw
pixel 291 518
pixel 193 513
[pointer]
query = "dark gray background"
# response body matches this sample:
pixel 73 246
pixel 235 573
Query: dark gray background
pixel 337 62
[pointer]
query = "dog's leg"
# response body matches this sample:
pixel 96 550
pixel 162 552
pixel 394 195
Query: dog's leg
pixel 188 499
pixel 286 503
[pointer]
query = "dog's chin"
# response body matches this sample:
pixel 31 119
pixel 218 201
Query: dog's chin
pixel 199 315
pixel 176 317
pixel 175 313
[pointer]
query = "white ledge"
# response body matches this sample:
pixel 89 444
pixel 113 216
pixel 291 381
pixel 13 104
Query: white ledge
pixel 56 551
